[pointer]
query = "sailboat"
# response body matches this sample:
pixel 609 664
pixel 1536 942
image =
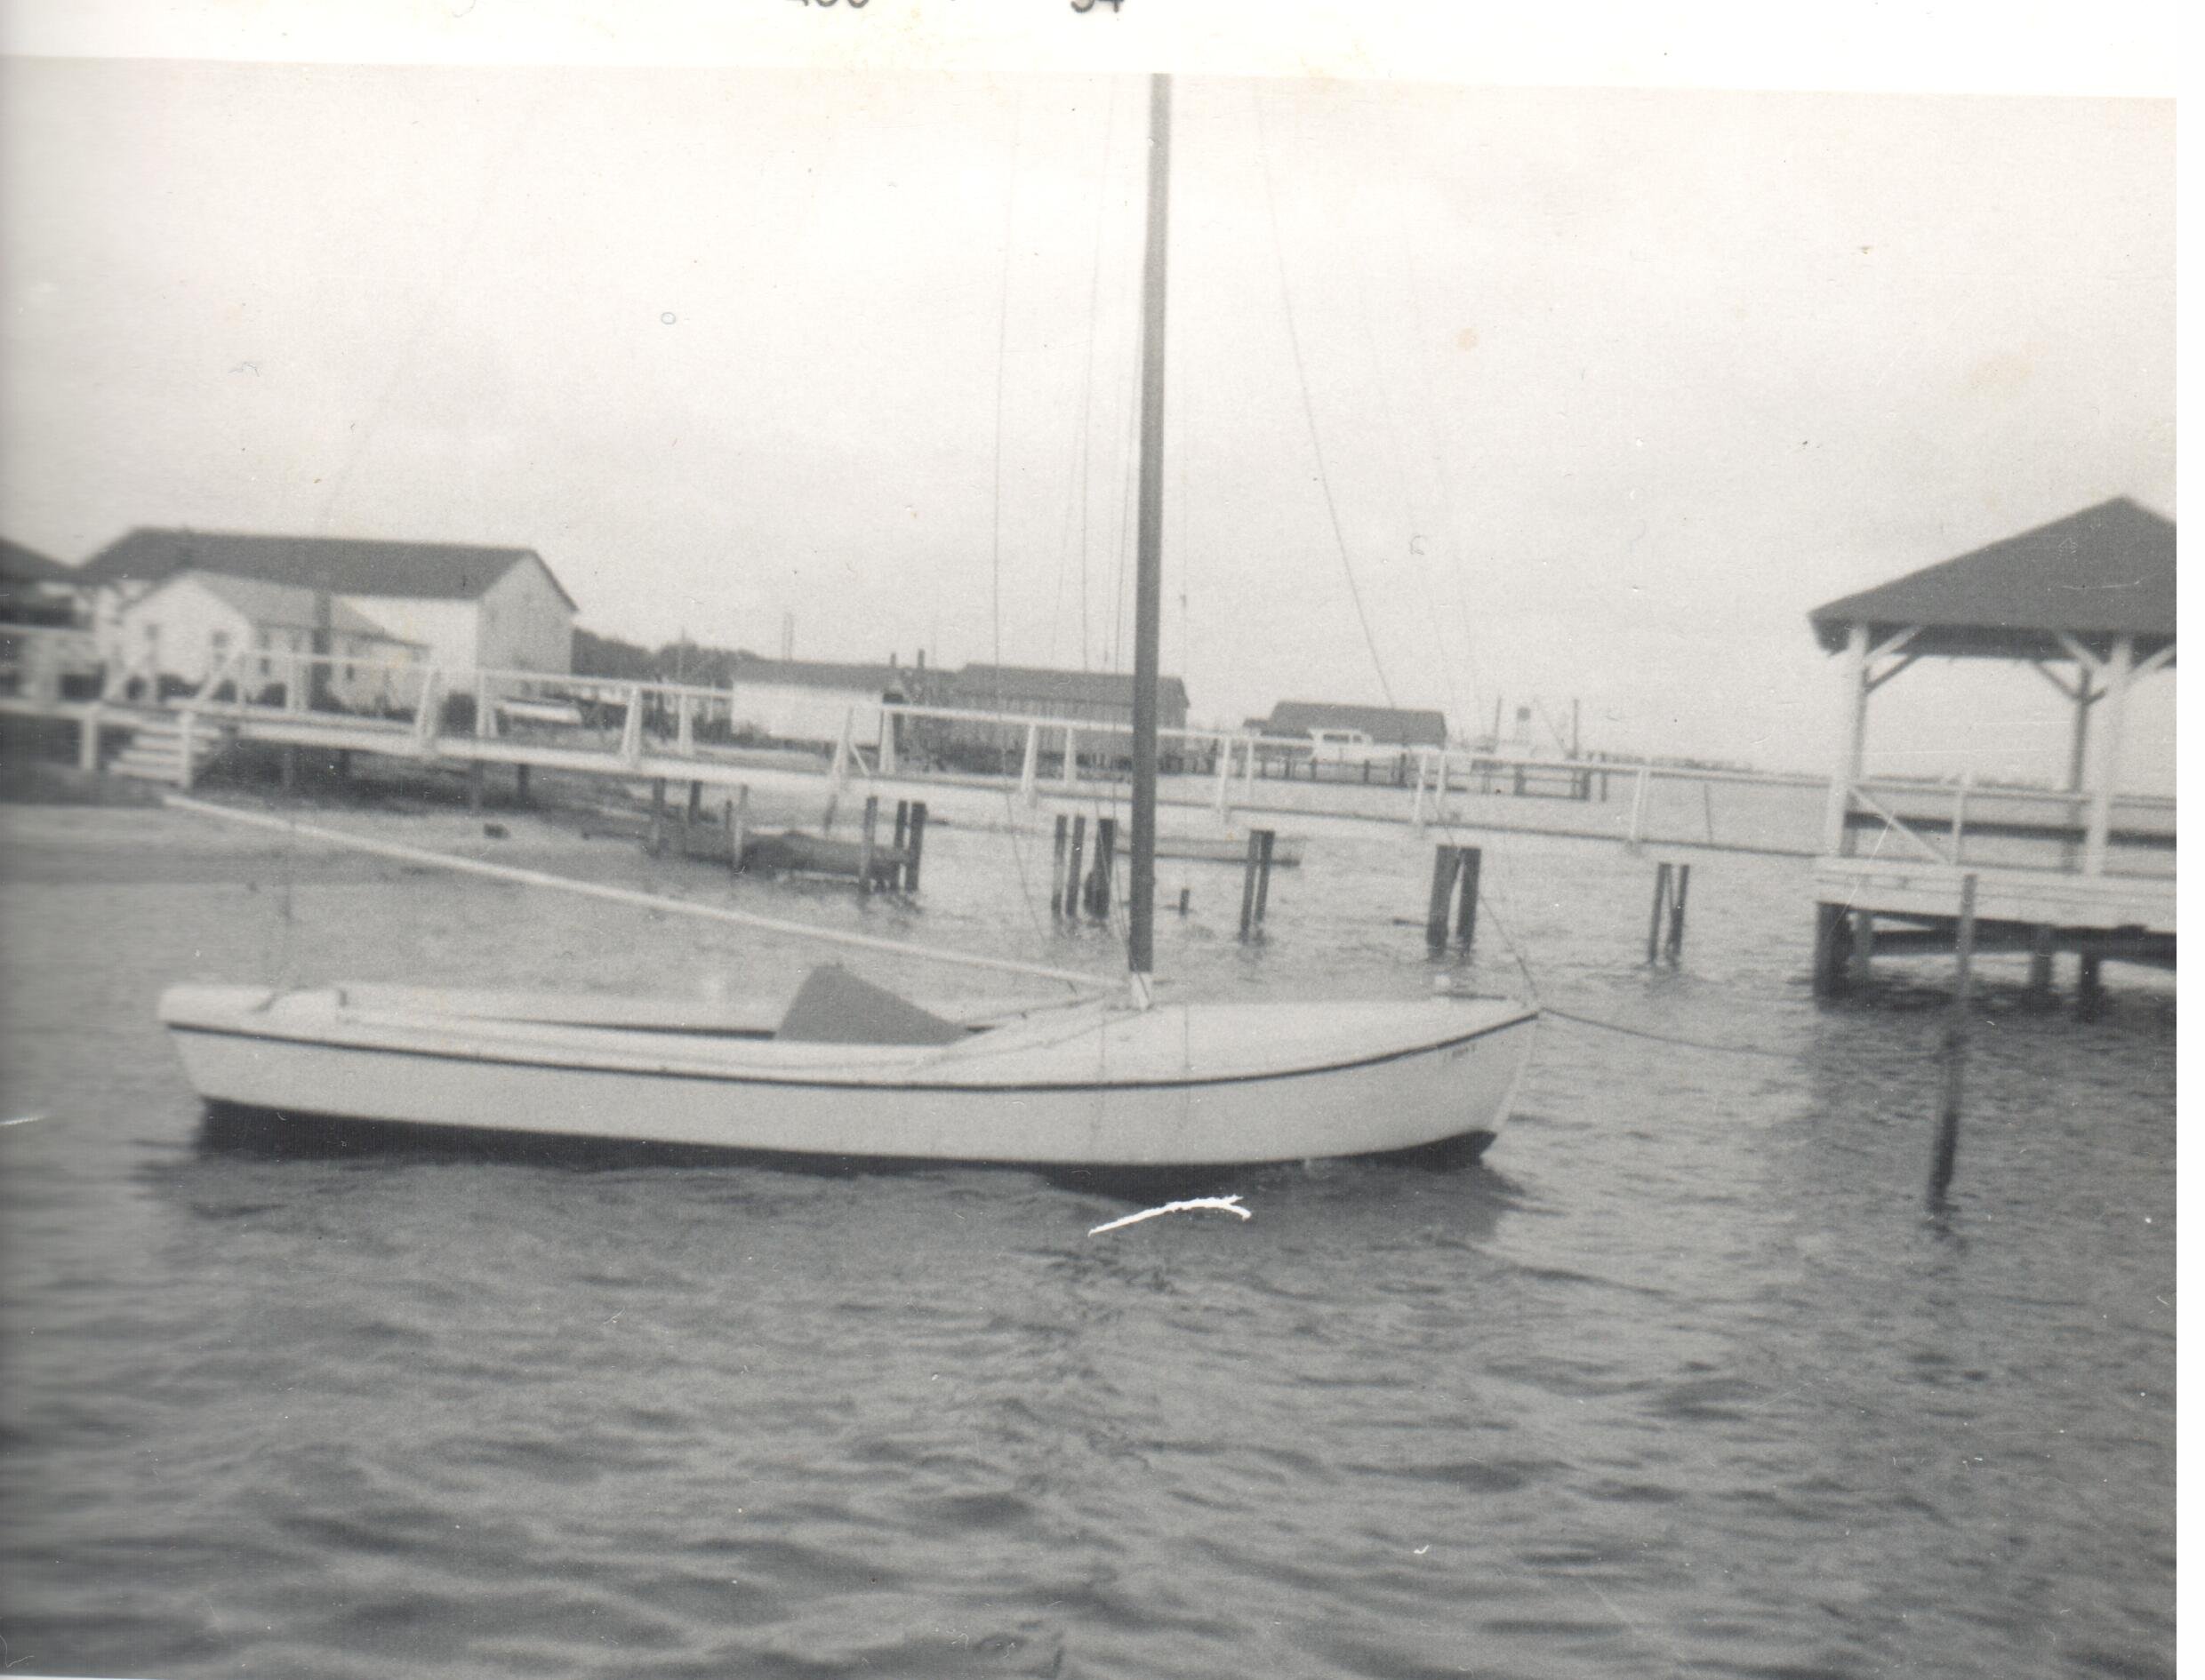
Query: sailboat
pixel 849 1071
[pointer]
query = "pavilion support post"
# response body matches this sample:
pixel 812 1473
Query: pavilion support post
pixel 1863 947
pixel 1853 732
pixel 1833 946
pixel 2041 940
pixel 2118 669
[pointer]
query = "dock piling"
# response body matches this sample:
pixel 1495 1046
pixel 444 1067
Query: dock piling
pixel 1266 837
pixel 1069 905
pixel 1248 884
pixel 657 842
pixel 1955 1048
pixel 1098 896
pixel 738 827
pixel 1861 960
pixel 2040 947
pixel 1445 861
pixel 1661 911
pixel 1472 863
pixel 915 846
pixel 1683 884
pixel 866 845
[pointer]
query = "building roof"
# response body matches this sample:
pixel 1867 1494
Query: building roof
pixel 870 679
pixel 343 565
pixel 287 606
pixel 2108 570
pixel 1384 723
pixel 20 564
pixel 1010 687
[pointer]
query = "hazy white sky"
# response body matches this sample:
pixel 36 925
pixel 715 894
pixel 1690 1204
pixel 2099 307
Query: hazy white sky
pixel 1608 388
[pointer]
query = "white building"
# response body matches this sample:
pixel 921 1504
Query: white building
pixel 454 605
pixel 813 701
pixel 189 627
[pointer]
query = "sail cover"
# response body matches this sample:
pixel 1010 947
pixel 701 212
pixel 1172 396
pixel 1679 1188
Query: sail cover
pixel 833 1006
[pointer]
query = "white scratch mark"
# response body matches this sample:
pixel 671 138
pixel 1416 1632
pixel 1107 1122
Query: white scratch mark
pixel 23 1121
pixel 1223 1204
pixel 1421 1550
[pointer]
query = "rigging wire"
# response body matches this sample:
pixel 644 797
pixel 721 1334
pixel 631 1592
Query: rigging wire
pixel 1002 349
pixel 1308 414
pixel 1347 564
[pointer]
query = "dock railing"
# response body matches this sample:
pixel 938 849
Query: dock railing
pixel 1962 821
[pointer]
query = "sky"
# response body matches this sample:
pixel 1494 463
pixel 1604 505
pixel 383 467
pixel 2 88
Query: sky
pixel 1476 395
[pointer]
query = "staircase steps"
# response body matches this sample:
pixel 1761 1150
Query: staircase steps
pixel 156 751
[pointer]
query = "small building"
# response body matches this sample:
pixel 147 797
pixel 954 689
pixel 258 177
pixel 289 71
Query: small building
pixel 186 629
pixel 2088 601
pixel 45 649
pixel 813 702
pixel 1103 699
pixel 464 607
pixel 35 589
pixel 1385 726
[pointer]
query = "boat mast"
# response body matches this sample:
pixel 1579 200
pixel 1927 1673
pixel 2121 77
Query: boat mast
pixel 1149 587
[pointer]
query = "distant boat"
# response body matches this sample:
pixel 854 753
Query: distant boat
pixel 850 1071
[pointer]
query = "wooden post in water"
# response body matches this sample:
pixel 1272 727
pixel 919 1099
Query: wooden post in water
pixel 1445 861
pixel 1831 945
pixel 1862 957
pixel 1955 1048
pixel 2089 987
pixel 1676 914
pixel 520 782
pixel 903 827
pixel 2040 945
pixel 88 756
pixel 474 774
pixel 657 842
pixel 866 844
pixel 738 827
pixel 1263 873
pixel 915 845
pixel 1056 862
pixel 1105 862
pixel 1248 884
pixel 1184 892
pixel 1466 911
pixel 289 762
pixel 1074 861
pixel 1661 908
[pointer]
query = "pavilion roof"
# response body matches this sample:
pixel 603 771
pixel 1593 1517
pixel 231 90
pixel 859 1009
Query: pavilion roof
pixel 2108 570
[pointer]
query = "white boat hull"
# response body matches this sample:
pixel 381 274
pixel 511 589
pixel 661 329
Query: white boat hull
pixel 1102 1085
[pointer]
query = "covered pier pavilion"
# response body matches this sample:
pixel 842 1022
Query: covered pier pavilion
pixel 2087 601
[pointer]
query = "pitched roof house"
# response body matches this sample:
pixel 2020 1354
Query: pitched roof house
pixel 464 605
pixel 1386 725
